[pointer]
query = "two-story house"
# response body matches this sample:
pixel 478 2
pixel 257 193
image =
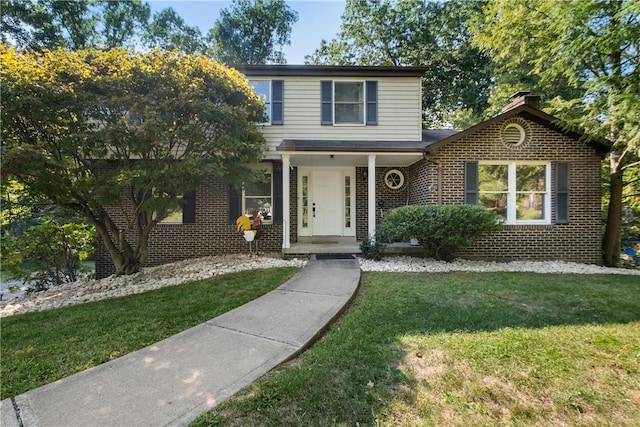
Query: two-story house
pixel 346 144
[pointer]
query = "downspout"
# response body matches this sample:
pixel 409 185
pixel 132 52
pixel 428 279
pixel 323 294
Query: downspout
pixel 438 164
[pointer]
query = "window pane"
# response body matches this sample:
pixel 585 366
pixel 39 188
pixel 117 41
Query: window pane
pixel 530 192
pixel 263 90
pixel 530 206
pixel 259 188
pixel 349 92
pixel 349 113
pixel 260 204
pixel 174 217
pixel 347 201
pixel 493 177
pixel 494 201
pixel 305 201
pixel 530 178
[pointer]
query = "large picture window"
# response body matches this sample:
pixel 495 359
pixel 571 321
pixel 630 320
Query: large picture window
pixel 517 191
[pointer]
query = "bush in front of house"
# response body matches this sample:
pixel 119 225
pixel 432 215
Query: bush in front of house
pixel 441 229
pixel 371 249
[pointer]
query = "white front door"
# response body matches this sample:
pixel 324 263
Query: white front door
pixel 326 203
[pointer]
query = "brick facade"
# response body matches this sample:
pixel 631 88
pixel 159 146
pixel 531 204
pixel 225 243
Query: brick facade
pixel 439 178
pixel 213 232
pixel 578 241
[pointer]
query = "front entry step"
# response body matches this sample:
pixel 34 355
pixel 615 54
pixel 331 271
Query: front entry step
pixel 327 240
pixel 321 257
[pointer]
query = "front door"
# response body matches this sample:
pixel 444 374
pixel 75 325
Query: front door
pixel 326 203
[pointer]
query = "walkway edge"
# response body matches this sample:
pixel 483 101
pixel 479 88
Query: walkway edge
pixel 176 380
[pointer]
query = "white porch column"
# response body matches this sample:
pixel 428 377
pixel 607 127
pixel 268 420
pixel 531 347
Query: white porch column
pixel 371 202
pixel 286 223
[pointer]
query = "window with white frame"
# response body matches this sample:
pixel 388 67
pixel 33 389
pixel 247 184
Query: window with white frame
pixel 349 103
pixel 262 88
pixel 258 196
pixel 518 191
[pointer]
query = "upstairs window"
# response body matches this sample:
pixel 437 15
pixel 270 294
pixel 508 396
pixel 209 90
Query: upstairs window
pixel 271 92
pixel 349 102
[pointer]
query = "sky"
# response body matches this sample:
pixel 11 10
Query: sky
pixel 317 20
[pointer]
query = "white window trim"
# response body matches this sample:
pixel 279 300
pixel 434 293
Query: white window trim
pixel 512 191
pixel 266 167
pixel 363 103
pixel 268 103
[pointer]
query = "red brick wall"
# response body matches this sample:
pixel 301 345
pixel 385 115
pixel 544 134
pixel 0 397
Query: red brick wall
pixel 211 234
pixel 578 241
pixel 392 198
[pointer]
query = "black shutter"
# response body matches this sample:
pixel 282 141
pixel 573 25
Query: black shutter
pixel 471 183
pixel 562 193
pixel 189 208
pixel 235 205
pixel 277 196
pixel 326 102
pixel 372 102
pixel 277 102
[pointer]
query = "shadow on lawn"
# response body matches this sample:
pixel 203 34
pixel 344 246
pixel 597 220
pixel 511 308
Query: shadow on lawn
pixel 350 376
pixel 485 302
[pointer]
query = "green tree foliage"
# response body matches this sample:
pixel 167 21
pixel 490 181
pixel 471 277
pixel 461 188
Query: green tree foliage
pixel 94 129
pixel 168 31
pixel 252 32
pixel 52 251
pixel 121 21
pixel 588 51
pixel 73 25
pixel 441 229
pixel 414 32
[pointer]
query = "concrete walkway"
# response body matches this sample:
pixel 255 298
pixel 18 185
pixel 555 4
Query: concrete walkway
pixel 174 381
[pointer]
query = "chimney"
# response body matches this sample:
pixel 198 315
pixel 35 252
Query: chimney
pixel 522 97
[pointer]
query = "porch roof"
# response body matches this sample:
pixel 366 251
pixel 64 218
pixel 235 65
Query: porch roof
pixel 320 152
pixel 429 136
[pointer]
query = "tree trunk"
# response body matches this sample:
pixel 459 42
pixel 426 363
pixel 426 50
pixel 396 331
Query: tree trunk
pixel 611 245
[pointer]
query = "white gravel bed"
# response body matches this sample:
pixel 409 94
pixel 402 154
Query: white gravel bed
pixel 149 278
pixel 429 265
pixel 203 268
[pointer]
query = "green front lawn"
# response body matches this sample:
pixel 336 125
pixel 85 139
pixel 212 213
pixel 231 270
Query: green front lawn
pixel 463 349
pixel 39 348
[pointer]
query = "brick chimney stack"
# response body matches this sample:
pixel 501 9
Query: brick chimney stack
pixel 522 98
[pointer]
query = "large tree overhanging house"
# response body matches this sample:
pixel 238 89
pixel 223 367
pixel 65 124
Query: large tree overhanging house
pixel 346 144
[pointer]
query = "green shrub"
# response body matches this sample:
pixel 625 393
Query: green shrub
pixel 48 254
pixel 441 229
pixel 372 249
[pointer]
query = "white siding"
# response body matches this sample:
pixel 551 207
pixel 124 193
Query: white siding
pixel 399 112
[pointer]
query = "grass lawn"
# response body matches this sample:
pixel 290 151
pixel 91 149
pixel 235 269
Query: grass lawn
pixel 463 349
pixel 39 348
